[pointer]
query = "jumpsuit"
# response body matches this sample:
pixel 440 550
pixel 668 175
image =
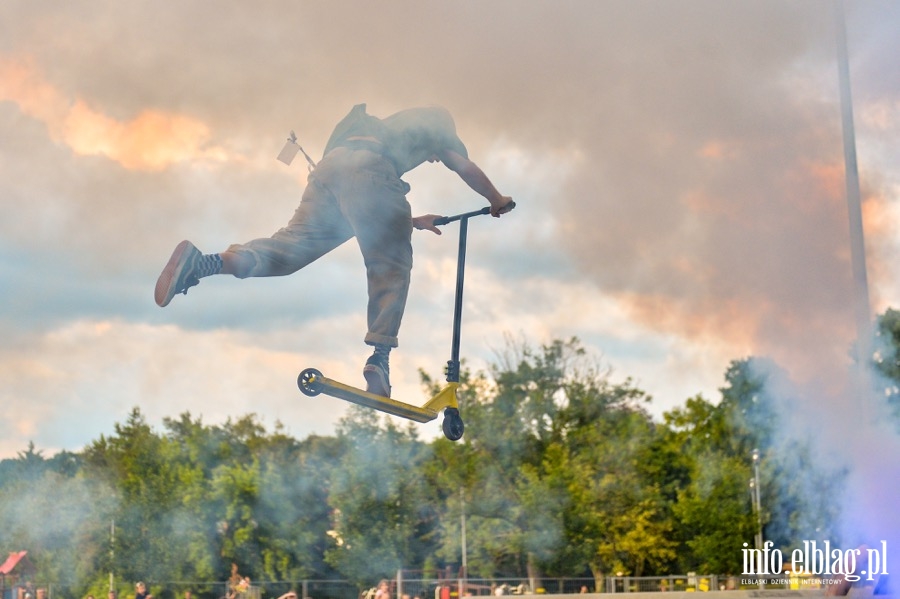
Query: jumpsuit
pixel 356 191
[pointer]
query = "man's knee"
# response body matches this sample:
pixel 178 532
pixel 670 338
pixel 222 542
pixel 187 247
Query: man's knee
pixel 239 265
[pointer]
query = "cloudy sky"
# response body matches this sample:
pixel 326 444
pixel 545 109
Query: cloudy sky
pixel 678 170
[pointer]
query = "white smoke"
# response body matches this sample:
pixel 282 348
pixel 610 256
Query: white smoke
pixel 852 462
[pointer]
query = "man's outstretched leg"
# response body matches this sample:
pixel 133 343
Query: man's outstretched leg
pixel 184 270
pixel 316 228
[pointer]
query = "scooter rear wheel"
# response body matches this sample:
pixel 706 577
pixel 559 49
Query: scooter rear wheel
pixel 310 382
pixel 453 424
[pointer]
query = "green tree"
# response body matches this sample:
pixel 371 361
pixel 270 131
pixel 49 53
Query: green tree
pixel 552 470
pixel 714 515
pixel 139 465
pixel 510 511
pixel 618 517
pixel 378 500
pixel 799 495
pixel 293 512
pixel 194 500
pixel 50 509
pixel 561 472
pixel 886 360
pixel 714 511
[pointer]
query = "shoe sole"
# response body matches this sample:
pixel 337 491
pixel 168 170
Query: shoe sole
pixel 165 284
pixel 375 382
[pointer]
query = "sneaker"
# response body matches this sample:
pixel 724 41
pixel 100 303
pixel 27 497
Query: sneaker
pixel 376 372
pixel 179 274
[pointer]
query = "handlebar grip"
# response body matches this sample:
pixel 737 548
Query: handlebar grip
pixel 443 220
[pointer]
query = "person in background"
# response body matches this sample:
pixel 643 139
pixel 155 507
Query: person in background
pixel 141 591
pixel 383 591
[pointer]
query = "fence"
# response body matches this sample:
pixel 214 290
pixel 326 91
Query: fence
pixel 453 588
pixel 448 588
pixel 711 582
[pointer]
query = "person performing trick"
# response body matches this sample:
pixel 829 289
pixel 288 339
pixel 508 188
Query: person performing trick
pixel 354 191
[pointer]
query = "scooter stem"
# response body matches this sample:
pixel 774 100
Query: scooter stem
pixel 453 364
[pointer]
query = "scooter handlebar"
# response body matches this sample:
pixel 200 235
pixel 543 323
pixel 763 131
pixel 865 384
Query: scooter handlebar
pixel 443 220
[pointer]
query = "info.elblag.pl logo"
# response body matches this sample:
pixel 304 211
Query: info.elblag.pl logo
pixel 817 560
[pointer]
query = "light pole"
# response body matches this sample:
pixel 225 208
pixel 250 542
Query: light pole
pixel 754 489
pixel 463 579
pixel 854 207
pixel 112 554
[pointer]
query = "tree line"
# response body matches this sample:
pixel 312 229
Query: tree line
pixel 561 472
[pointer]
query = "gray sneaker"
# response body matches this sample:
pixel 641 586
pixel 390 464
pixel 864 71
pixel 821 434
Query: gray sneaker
pixel 179 274
pixel 376 372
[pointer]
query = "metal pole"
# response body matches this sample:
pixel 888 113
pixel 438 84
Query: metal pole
pixel 465 560
pixel 453 365
pixel 759 534
pixel 857 239
pixel 756 543
pixel 112 554
pixel 464 573
pixel 754 483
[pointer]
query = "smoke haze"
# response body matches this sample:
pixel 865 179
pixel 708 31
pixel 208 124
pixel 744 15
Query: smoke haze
pixel 677 166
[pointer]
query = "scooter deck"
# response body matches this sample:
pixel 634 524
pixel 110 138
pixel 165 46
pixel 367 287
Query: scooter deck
pixel 312 382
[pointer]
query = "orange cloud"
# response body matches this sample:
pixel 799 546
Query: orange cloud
pixel 719 150
pixel 36 98
pixel 723 321
pixel 804 343
pixel 829 178
pixel 153 140
pixel 879 222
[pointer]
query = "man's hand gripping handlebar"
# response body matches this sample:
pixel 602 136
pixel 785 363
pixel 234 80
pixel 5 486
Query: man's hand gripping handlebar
pixel 431 222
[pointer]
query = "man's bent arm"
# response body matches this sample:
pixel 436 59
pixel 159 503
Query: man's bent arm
pixel 475 178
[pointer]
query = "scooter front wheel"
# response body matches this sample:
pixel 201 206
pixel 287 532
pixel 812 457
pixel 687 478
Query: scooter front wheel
pixel 453 425
pixel 310 382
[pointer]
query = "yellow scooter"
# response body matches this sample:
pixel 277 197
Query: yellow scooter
pixel 312 382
